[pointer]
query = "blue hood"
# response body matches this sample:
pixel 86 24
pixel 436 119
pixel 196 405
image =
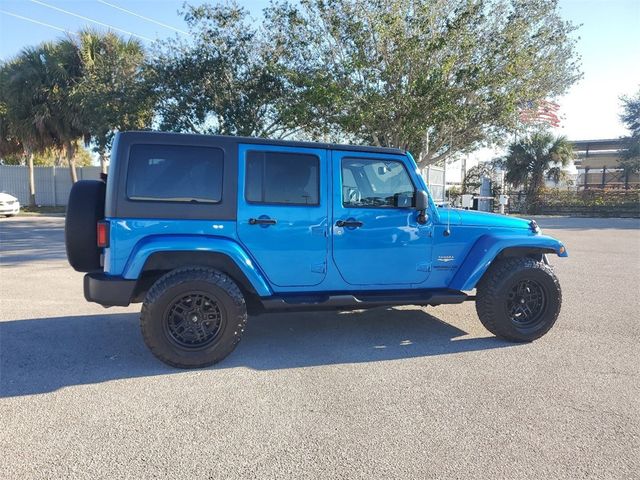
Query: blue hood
pixel 482 219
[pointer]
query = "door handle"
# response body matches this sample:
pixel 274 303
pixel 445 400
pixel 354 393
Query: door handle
pixel 262 221
pixel 349 223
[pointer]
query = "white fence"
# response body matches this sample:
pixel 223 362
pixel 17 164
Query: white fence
pixel 53 184
pixel 434 176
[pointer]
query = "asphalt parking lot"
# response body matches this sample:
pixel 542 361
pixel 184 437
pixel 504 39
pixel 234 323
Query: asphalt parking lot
pixel 388 393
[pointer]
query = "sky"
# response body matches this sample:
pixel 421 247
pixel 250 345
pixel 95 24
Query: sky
pixel 609 44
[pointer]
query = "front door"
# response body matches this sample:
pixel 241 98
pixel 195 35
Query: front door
pixel 283 210
pixel 377 239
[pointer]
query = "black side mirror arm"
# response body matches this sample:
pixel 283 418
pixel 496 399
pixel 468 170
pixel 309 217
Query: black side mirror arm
pixel 421 203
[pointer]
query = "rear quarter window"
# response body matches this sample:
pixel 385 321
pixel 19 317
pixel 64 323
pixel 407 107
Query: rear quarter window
pixel 175 173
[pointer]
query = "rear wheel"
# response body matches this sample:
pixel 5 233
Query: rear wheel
pixel 519 299
pixel 193 317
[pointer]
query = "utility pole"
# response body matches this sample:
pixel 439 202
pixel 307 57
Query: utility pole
pixel 464 171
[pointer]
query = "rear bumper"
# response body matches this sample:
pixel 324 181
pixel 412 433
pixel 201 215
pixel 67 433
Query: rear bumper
pixel 108 290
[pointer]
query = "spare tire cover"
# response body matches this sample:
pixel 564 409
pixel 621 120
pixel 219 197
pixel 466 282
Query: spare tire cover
pixel 84 209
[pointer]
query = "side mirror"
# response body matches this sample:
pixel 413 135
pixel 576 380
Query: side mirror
pixel 402 200
pixel 421 200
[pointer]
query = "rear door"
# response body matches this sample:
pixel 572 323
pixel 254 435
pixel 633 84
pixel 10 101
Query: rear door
pixel 377 239
pixel 283 211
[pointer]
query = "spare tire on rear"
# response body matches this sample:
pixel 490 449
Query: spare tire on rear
pixel 84 210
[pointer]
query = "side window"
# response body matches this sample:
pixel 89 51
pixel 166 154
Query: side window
pixel 375 183
pixel 174 173
pixel 282 178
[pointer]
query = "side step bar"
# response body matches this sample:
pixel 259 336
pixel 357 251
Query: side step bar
pixel 364 300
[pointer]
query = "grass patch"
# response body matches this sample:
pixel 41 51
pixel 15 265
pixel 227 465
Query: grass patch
pixel 57 211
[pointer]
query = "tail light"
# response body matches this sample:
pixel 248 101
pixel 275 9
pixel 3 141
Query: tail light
pixel 102 231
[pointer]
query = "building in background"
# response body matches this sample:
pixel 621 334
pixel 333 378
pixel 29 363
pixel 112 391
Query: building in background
pixel 598 164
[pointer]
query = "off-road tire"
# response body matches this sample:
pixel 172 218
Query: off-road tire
pixel 493 292
pixel 84 209
pixel 178 284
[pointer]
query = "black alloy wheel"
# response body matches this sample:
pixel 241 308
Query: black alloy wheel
pixel 526 303
pixel 194 320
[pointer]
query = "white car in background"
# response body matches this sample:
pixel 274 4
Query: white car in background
pixel 9 205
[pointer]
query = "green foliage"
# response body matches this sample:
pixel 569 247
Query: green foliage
pixel 112 92
pixel 591 202
pixel 49 157
pixel 530 161
pixel 473 178
pixel 631 118
pixel 59 93
pixel 34 88
pixel 631 113
pixel 9 144
pixel 437 78
pixel 453 194
pixel 223 80
pixel 434 77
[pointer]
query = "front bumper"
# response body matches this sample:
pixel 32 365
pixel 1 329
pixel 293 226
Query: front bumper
pixel 108 290
pixel 10 209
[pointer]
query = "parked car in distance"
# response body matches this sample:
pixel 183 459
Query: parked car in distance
pixel 9 205
pixel 204 230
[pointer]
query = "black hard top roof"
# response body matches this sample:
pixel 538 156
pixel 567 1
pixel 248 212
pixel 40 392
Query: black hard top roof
pixel 150 135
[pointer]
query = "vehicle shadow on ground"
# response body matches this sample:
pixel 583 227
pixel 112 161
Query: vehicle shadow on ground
pixel 43 355
pixel 31 241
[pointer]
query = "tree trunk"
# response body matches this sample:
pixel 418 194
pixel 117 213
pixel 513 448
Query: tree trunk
pixel 103 161
pixel 626 179
pixel 71 159
pixel 32 182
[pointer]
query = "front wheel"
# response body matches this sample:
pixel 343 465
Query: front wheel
pixel 193 317
pixel 519 299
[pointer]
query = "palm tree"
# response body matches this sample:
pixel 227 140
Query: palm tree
pixel 536 158
pixel 24 87
pixel 630 161
pixel 37 87
pixel 65 71
pixel 113 93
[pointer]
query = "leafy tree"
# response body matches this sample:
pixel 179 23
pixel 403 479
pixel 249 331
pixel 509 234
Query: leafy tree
pixel 112 92
pixel 60 93
pixel 9 144
pixel 24 88
pixel 631 118
pixel 37 95
pixel 438 78
pixel 65 114
pixel 224 79
pixel 473 178
pixel 530 161
pixel 49 157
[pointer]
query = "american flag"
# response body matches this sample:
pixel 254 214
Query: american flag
pixel 541 111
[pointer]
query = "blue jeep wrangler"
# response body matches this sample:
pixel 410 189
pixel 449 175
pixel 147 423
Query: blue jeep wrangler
pixel 204 230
